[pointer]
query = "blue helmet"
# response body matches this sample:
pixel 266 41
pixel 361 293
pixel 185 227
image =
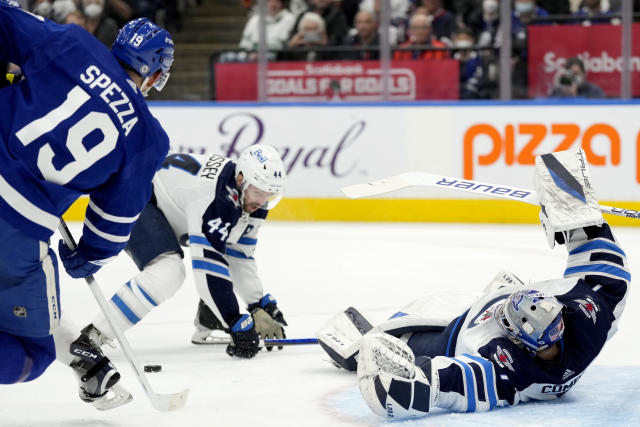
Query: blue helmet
pixel 146 48
pixel 11 3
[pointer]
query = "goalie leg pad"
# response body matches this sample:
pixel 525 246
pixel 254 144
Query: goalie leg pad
pixel 567 198
pixel 390 382
pixel 341 336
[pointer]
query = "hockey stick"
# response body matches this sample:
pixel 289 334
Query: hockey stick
pixel 265 343
pixel 425 179
pixel 162 402
pixel 288 341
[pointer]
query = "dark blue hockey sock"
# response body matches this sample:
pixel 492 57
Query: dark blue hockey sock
pixel 24 359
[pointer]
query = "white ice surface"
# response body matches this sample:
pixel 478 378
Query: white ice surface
pixel 316 270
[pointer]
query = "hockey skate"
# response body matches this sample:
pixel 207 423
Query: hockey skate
pixel 97 377
pixel 209 329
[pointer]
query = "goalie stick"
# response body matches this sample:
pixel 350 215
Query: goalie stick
pixel 162 402
pixel 425 179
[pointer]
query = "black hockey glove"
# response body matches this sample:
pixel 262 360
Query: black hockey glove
pixel 244 338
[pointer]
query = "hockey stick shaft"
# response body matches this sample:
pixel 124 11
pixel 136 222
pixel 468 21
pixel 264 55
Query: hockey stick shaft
pixel 162 402
pixel 425 179
pixel 288 341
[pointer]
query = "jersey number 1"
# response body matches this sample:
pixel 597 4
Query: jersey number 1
pixel 83 158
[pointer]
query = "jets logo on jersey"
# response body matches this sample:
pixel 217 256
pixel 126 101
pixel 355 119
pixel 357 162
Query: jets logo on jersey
pixel 487 314
pixel 503 358
pixel 589 308
pixel 233 195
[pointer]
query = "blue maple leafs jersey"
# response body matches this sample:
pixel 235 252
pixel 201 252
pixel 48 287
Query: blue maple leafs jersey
pixel 76 125
pixel 199 197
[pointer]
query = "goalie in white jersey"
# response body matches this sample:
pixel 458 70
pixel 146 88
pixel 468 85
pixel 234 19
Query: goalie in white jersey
pixel 517 342
pixel 215 207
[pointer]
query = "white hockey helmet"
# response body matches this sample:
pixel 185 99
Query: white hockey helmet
pixel 262 167
pixel 532 318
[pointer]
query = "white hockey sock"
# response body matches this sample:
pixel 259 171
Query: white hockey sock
pixel 66 333
pixel 159 280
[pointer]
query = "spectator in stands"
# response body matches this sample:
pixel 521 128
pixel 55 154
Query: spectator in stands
pixel 398 9
pixel 365 35
pixel 42 8
pixel 279 22
pixel 525 12
pixel 443 22
pixel 591 8
pixel 485 23
pixel 311 33
pixel 473 77
pixel 572 83
pixel 464 10
pixel 75 17
pixel 334 20
pixel 61 8
pixel 420 36
pixel 398 17
pixel 102 27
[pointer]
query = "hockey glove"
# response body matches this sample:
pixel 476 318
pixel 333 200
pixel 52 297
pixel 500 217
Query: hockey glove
pixel 244 338
pixel 76 264
pixel 268 318
pixel 269 304
pixel 267 327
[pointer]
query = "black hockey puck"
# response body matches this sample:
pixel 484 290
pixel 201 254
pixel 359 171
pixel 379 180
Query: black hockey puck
pixel 152 368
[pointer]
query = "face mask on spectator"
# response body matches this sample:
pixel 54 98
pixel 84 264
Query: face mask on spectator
pixel 60 10
pixel 578 79
pixel 490 10
pixel 523 8
pixel 93 10
pixel 43 9
pixel 463 43
pixel 490 6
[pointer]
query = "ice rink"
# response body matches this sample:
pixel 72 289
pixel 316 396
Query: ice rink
pixel 315 270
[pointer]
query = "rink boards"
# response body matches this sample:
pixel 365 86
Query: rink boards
pixel 327 146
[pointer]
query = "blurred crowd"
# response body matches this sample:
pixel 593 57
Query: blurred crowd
pixel 467 30
pixel 103 18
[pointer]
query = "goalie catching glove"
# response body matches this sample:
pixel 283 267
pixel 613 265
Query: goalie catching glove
pixel 567 199
pixel 268 319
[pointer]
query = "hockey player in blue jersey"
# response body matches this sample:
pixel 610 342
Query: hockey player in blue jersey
pixel 216 207
pixel 76 124
pixel 517 342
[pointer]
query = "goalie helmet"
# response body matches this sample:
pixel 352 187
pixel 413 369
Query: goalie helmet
pixel 261 166
pixel 146 48
pixel 532 318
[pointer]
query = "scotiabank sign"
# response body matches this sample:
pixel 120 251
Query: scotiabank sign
pixel 599 47
pixel 339 81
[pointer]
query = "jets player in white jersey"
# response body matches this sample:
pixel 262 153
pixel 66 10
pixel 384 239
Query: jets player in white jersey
pixel 517 342
pixel 215 207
